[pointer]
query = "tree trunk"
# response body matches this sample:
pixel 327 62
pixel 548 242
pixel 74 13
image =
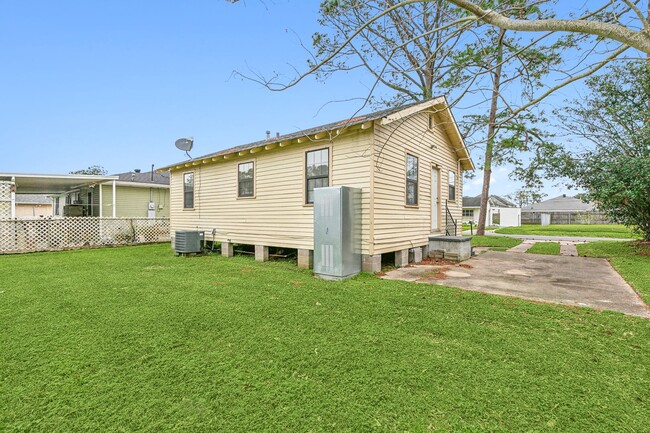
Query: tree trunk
pixel 489 146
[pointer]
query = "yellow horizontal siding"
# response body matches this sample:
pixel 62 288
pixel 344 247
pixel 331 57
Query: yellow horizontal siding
pixel 277 216
pixel 133 201
pixel 397 226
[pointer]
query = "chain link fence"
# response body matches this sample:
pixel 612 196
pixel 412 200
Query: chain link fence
pixel 565 218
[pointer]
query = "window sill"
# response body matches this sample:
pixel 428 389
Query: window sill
pixel 188 209
pixel 412 206
pixel 246 198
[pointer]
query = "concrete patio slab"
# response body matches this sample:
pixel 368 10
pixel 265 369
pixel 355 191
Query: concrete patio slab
pixel 578 281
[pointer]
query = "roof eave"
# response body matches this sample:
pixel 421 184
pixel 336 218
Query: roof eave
pixel 314 136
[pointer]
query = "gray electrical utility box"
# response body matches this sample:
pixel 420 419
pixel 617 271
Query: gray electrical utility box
pixel 188 241
pixel 337 232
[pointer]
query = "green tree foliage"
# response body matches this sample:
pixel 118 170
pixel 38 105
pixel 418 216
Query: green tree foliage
pixel 421 49
pixel 93 169
pixel 615 170
pixel 526 196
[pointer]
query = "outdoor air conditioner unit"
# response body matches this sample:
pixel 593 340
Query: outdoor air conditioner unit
pixel 188 241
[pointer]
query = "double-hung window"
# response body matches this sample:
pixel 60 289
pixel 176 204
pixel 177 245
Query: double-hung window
pixel 411 180
pixel 246 179
pixel 452 185
pixel 188 190
pixel 317 172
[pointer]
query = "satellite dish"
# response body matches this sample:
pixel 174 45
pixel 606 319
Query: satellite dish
pixel 185 144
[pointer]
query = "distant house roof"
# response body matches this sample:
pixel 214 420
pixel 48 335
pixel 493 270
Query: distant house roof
pixel 33 199
pixel 560 204
pixel 495 201
pixel 146 177
pixel 472 201
pixel 499 201
pixel 389 115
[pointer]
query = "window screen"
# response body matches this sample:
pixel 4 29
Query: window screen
pixel 188 190
pixel 452 185
pixel 317 171
pixel 411 180
pixel 246 180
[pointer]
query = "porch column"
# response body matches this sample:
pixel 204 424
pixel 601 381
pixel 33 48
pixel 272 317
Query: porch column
pixel 101 209
pixel 13 198
pixel 114 200
pixel 101 200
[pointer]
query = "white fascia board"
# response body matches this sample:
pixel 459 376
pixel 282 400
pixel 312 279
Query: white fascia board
pixel 412 110
pixel 137 184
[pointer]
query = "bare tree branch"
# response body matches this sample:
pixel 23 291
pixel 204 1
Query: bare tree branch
pixel 637 39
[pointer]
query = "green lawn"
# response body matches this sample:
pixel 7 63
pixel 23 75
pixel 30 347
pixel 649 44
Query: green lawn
pixel 550 248
pixel 135 339
pixel 630 259
pixel 494 241
pixel 587 230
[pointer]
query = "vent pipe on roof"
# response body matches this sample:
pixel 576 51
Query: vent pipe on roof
pixel 137 170
pixel 277 135
pixel 268 135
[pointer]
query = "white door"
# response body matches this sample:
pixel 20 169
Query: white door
pixel 435 200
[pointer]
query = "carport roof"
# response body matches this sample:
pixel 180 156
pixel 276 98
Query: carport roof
pixel 52 183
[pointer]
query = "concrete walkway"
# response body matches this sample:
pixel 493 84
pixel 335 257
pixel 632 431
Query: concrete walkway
pixel 550 238
pixel 567 248
pixel 522 247
pixel 577 281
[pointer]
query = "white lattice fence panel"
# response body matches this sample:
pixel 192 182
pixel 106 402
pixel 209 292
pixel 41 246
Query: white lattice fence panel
pixel 5 199
pixel 115 231
pixel 77 232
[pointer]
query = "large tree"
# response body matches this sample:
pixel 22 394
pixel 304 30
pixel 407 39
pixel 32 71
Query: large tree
pixel 614 169
pixel 409 51
pixel 596 37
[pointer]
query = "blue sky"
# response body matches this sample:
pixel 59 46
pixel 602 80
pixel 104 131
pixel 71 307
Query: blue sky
pixel 115 83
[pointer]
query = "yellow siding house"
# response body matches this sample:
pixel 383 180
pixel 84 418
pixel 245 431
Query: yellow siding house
pixel 137 194
pixel 408 162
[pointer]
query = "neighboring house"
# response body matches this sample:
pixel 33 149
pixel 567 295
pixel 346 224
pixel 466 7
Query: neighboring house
pixel 408 162
pixel 132 194
pixel 500 211
pixel 33 206
pixel 562 210
pixel 56 186
pixel 138 195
